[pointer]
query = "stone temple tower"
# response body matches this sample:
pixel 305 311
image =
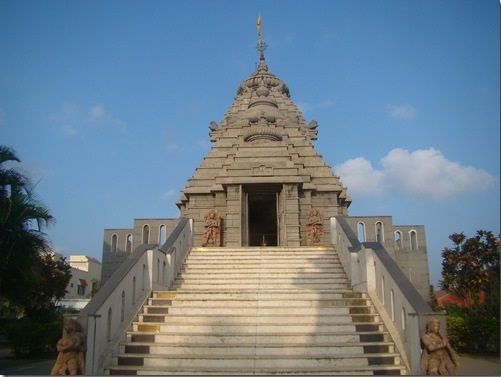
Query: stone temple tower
pixel 263 175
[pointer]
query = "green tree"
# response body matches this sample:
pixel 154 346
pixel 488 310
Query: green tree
pixel 471 266
pixel 30 279
pixel 470 269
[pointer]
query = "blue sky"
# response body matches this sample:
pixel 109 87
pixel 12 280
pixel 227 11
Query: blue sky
pixel 108 103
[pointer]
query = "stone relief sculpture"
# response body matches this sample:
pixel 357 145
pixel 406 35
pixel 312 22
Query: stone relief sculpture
pixel 438 357
pixel 314 227
pixel 71 347
pixel 212 230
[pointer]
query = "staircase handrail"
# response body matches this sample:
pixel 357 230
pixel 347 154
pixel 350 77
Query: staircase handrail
pixel 403 310
pixel 110 312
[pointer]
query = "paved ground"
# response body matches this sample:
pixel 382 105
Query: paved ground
pixel 471 365
pixel 479 365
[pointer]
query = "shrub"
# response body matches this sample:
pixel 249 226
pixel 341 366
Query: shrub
pixel 474 329
pixel 29 338
pixel 456 330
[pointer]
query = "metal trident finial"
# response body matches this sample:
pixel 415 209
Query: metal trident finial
pixel 261 46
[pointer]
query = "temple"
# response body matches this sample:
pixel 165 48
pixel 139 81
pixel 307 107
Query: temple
pixel 264 223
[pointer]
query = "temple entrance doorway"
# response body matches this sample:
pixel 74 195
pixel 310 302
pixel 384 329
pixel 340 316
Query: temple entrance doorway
pixel 261 215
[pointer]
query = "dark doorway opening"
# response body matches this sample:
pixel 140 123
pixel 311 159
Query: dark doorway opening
pixel 262 210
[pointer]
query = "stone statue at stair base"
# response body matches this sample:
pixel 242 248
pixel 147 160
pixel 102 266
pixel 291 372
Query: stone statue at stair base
pixel 438 357
pixel 71 348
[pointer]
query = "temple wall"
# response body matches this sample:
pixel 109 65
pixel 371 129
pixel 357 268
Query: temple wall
pixel 411 256
pixel 112 259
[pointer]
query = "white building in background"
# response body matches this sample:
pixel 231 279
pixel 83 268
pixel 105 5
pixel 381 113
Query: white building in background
pixel 85 274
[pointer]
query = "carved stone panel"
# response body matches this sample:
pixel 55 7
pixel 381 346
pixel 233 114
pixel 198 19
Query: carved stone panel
pixel 262 170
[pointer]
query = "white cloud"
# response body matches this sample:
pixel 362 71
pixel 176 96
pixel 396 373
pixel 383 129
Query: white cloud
pixel 306 106
pixel 405 111
pixel 72 120
pixel 34 172
pixel 169 193
pixel 425 173
pixel 97 112
pixel 203 143
pixel 360 177
pixel 67 119
pixel 69 129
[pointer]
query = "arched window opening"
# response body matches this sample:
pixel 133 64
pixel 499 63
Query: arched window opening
pixel 162 235
pixel 163 274
pixel 114 241
pixel 108 326
pixel 133 290
pixel 146 234
pixel 361 232
pixel 122 307
pixel 379 232
pixel 398 240
pixel 413 237
pixel 144 278
pixel 158 271
pixel 392 305
pixel 382 290
pixel 404 319
pixel 128 243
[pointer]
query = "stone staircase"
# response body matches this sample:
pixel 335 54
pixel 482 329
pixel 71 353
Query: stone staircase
pixel 258 311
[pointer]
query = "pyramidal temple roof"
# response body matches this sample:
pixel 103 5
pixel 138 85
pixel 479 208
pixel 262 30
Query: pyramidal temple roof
pixel 263 138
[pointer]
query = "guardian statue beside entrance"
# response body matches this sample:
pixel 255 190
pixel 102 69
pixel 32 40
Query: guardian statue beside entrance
pixel 212 231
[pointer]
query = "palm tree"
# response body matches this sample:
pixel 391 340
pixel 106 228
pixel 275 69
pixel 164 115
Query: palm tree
pixel 22 221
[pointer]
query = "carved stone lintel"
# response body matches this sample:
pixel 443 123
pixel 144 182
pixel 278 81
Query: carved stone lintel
pixel 71 347
pixel 262 170
pixel 314 227
pixel 212 229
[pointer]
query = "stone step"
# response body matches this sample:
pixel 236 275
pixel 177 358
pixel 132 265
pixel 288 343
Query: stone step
pixel 171 309
pixel 345 297
pixel 259 275
pixel 264 257
pixel 263 270
pixel 228 286
pixel 284 362
pixel 263 262
pixel 253 349
pixel 253 311
pixel 283 301
pixel 286 302
pixel 258 311
pixel 263 329
pixel 261 280
pixel 189 371
pixel 239 268
pixel 259 249
pixel 265 317
pixel 259 339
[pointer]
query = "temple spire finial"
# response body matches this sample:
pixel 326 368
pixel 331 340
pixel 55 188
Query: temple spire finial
pixel 261 45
